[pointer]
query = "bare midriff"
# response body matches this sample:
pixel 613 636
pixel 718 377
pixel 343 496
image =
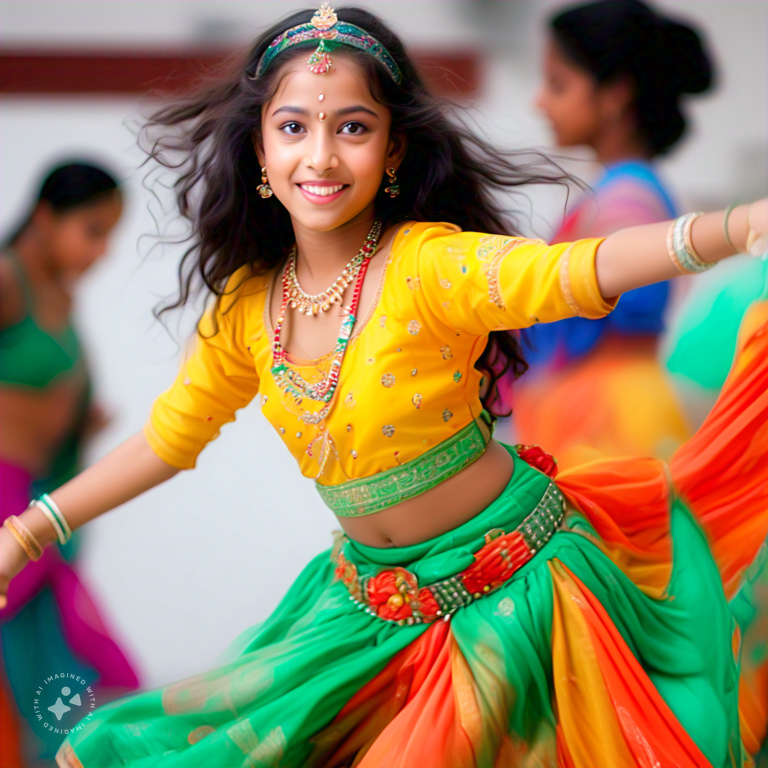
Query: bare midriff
pixel 439 509
pixel 33 422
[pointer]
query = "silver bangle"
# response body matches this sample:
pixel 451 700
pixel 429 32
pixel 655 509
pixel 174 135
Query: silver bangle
pixel 686 259
pixel 48 502
pixel 60 535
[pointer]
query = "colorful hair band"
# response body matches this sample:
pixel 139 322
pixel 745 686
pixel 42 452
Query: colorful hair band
pixel 331 34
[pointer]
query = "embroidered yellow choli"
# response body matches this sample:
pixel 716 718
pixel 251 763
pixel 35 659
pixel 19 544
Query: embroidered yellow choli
pixel 408 380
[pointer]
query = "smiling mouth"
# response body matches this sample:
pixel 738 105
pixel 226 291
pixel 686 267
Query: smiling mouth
pixel 323 191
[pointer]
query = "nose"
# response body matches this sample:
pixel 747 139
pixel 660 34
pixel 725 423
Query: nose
pixel 320 151
pixel 539 100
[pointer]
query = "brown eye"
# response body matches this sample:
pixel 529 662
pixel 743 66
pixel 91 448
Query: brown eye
pixel 354 129
pixel 292 129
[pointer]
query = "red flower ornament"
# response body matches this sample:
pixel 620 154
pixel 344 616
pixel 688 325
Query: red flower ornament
pixel 538 458
pixel 391 594
pixel 427 605
pixel 346 573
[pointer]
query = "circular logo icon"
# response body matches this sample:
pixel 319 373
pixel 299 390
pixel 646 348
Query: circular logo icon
pixel 63 703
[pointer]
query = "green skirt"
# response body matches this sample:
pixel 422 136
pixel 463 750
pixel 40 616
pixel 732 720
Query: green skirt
pixel 322 683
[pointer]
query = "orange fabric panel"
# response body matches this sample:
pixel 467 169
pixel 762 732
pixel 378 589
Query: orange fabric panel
pixel 609 712
pixel 722 472
pixel 411 713
pixel 428 730
pixel 627 502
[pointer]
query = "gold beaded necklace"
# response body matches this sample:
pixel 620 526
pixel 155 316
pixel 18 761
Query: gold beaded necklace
pixel 311 304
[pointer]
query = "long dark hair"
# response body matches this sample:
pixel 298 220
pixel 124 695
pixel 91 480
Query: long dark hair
pixel 448 174
pixel 66 187
pixel 663 59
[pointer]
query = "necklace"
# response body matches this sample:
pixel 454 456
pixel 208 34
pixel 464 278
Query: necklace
pixel 291 381
pixel 310 304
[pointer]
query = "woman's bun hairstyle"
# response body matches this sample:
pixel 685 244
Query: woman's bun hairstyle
pixel 663 59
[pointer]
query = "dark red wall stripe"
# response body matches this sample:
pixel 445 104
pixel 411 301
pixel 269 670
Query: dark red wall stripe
pixel 35 72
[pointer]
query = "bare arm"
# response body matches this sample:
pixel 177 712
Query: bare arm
pixel 126 472
pixel 638 256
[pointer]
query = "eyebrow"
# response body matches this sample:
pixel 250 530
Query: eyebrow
pixel 338 112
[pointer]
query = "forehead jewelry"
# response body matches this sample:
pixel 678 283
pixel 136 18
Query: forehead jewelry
pixel 321 116
pixel 320 96
pixel 330 33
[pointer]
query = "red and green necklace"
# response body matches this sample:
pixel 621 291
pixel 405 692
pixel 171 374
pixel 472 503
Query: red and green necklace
pixel 291 381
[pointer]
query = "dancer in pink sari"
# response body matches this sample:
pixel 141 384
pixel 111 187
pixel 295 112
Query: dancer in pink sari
pixel 50 624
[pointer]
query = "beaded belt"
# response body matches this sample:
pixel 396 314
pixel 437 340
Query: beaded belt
pixel 392 486
pixel 395 594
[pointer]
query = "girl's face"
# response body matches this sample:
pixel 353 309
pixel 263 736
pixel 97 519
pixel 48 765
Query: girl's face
pixel 570 99
pixel 77 238
pixel 326 142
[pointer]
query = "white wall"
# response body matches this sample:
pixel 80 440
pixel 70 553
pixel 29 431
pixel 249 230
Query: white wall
pixel 181 571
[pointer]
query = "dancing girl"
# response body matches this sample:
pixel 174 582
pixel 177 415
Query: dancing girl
pixel 476 611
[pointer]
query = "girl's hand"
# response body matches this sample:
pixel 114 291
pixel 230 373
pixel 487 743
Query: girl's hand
pixel 12 560
pixel 757 239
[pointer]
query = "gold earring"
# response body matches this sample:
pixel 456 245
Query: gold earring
pixel 393 190
pixel 264 189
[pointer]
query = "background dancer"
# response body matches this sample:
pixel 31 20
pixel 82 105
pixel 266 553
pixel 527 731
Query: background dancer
pixel 50 623
pixel 615 72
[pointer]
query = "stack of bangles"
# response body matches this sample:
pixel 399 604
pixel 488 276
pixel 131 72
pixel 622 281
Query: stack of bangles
pixel 683 254
pixel 680 247
pixel 24 536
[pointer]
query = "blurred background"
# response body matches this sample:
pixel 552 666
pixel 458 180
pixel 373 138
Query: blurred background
pixel 181 571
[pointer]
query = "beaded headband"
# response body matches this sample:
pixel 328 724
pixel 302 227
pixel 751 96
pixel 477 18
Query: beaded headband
pixel 332 33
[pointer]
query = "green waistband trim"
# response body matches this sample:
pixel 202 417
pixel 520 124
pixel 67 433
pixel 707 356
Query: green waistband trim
pixel 393 486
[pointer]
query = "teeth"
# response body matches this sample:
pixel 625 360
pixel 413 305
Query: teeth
pixel 322 191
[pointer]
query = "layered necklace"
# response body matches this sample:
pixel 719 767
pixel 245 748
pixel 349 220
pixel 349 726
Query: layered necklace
pixel 291 381
pixel 310 304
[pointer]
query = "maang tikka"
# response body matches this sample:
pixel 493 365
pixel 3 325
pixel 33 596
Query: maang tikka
pixel 330 33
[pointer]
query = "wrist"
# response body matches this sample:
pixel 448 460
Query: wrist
pixel 38 526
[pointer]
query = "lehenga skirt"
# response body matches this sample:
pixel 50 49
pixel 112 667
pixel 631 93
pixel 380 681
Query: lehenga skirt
pixel 617 644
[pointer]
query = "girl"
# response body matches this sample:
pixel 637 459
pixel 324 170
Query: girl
pixel 614 75
pixel 474 613
pixel 49 622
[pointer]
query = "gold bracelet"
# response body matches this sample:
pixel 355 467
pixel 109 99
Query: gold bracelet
pixel 757 244
pixel 671 250
pixel 24 537
pixel 689 244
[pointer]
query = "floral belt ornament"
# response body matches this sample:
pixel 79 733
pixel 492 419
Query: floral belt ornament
pixel 395 594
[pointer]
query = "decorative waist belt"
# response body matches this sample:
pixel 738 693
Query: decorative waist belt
pixel 385 489
pixel 396 595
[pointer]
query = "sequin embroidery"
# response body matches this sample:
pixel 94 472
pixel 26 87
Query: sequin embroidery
pixel 491 252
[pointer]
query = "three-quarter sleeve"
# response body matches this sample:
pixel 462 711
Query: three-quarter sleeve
pixel 479 283
pixel 216 378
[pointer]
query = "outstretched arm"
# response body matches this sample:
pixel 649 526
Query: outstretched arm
pixel 126 472
pixel 638 256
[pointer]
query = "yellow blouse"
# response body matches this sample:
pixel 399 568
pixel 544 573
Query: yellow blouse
pixel 408 380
